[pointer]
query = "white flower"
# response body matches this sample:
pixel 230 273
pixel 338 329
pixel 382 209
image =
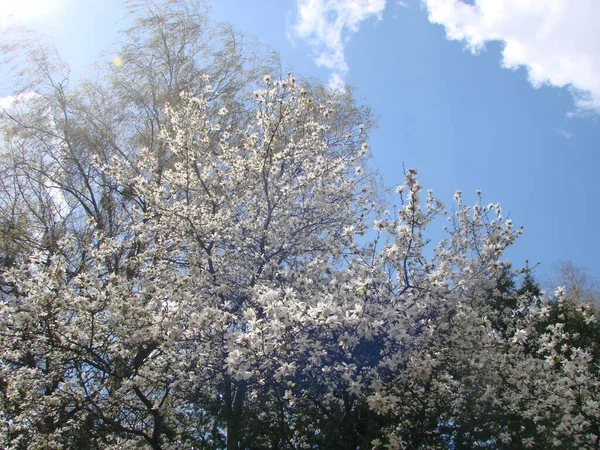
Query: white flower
pixel 289 397
pixel 354 388
pixel 285 370
pixel 348 231
pixel 395 443
pixel 520 337
pixel 529 442
pixel 379 225
pixel 376 403
pixel 589 319
pixel 234 358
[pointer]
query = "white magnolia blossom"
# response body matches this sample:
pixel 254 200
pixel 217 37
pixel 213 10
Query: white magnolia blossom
pixel 241 296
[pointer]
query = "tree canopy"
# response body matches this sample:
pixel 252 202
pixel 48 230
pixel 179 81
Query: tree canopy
pixel 196 254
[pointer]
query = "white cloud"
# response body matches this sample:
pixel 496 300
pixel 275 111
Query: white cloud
pixel 558 41
pixel 327 26
pixel 7 102
pixel 18 12
pixel 565 133
pixel 336 81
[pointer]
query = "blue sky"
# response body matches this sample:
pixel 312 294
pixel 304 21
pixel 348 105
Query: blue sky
pixel 502 96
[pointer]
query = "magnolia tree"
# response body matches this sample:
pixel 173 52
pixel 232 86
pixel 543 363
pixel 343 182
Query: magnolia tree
pixel 258 297
pixel 239 281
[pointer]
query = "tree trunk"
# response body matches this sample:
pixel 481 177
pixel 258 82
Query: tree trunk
pixel 234 400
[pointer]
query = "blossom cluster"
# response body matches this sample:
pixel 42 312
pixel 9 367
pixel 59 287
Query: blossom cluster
pixel 255 289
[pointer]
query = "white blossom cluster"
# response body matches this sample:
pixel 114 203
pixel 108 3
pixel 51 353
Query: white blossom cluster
pixel 245 297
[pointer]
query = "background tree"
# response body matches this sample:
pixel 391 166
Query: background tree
pixel 579 283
